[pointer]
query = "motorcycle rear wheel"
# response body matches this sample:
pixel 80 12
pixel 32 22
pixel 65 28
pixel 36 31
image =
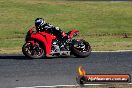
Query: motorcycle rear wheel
pixel 34 52
pixel 82 52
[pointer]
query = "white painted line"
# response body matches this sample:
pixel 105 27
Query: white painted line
pixel 56 86
pixel 69 85
pixel 48 86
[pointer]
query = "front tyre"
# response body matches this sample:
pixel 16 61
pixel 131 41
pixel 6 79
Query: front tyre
pixel 34 52
pixel 81 48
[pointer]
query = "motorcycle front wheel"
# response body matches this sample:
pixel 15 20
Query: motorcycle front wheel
pixel 34 52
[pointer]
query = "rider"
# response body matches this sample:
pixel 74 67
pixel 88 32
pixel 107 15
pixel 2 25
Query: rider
pixel 41 26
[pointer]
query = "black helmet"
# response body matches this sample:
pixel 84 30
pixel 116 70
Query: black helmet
pixel 39 22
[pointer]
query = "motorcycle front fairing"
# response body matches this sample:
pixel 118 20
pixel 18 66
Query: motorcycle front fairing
pixel 45 38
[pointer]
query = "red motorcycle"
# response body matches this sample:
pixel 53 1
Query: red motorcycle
pixel 42 44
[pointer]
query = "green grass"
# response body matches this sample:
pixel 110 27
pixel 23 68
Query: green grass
pixel 103 24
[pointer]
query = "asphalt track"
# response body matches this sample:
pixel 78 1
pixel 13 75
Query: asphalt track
pixel 18 71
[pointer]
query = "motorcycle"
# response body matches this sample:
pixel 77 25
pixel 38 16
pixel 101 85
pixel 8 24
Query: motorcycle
pixel 42 44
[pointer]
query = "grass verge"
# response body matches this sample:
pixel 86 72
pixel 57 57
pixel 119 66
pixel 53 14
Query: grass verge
pixel 106 25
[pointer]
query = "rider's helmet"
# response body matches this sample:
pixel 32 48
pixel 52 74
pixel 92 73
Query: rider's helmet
pixel 39 22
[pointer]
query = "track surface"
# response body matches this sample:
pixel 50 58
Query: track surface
pixel 18 71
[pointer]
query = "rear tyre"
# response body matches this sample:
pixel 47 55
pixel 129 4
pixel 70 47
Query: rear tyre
pixel 34 52
pixel 83 50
